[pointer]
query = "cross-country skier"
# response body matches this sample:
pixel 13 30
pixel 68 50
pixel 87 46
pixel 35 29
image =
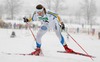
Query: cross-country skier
pixel 48 20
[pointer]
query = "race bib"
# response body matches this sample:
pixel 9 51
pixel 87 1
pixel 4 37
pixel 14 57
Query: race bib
pixel 45 19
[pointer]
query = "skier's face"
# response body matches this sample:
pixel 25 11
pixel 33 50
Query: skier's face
pixel 40 13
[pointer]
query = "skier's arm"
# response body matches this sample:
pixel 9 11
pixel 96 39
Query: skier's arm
pixel 33 18
pixel 60 21
pixel 58 18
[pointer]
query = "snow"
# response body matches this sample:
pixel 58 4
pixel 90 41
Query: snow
pixel 25 43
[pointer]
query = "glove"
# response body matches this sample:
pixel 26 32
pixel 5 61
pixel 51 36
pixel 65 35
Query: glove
pixel 25 19
pixel 62 26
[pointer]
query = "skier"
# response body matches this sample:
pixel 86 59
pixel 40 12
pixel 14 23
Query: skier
pixel 48 20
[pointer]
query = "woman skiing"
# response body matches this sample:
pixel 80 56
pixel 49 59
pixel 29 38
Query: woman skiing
pixel 48 20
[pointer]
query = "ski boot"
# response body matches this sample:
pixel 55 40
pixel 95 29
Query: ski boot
pixel 68 50
pixel 36 52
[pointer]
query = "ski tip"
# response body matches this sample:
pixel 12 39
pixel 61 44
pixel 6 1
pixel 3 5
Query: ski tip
pixel 93 56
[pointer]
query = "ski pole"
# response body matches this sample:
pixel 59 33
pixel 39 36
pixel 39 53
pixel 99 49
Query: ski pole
pixel 31 31
pixel 78 44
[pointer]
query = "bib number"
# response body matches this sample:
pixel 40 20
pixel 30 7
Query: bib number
pixel 45 19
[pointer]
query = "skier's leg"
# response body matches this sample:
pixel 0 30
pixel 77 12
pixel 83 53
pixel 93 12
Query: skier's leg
pixel 61 38
pixel 59 35
pixel 40 33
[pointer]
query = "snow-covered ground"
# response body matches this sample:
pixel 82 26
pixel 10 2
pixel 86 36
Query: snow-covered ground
pixel 25 43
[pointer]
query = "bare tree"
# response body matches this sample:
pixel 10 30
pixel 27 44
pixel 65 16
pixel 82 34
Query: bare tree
pixel 89 11
pixel 59 5
pixel 47 3
pixel 12 7
pixel 1 11
pixel 78 16
pixel 55 5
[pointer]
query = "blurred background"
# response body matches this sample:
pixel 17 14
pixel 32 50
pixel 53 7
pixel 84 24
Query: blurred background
pixel 82 13
pixel 71 11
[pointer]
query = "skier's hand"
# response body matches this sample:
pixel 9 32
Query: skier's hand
pixel 25 19
pixel 62 26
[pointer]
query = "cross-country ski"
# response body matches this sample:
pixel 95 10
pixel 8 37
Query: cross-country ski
pixel 23 54
pixel 77 53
